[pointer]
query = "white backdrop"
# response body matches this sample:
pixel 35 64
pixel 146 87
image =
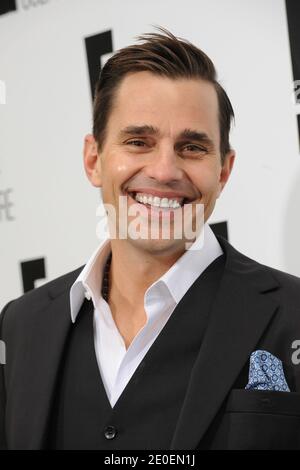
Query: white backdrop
pixel 47 206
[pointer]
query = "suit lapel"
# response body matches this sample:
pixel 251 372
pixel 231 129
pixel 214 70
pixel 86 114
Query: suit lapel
pixel 242 311
pixel 32 403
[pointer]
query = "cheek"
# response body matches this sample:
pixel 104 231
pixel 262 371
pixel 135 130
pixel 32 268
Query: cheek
pixel 206 180
pixel 114 169
pixel 117 169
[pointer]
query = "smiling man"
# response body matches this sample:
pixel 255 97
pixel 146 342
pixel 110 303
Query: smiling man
pixel 158 342
pixel 162 144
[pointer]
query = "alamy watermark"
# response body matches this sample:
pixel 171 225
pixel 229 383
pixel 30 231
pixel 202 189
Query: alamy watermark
pixel 296 92
pixel 296 353
pixel 146 222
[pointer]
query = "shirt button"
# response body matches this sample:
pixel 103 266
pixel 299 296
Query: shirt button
pixel 110 432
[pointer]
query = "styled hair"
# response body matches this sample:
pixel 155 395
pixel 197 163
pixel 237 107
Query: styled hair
pixel 165 55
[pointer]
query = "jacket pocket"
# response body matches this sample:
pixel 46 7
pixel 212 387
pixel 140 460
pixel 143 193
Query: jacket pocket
pixel 263 401
pixel 259 419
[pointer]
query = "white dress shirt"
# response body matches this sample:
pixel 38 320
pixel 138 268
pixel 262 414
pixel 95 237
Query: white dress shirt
pixel 116 364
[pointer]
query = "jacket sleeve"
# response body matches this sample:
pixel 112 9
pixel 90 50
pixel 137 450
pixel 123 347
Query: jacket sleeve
pixel 3 445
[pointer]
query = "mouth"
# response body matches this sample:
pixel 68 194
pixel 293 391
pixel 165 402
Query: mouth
pixel 159 202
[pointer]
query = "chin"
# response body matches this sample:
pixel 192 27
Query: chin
pixel 159 246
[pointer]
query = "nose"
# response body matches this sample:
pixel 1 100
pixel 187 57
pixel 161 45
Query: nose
pixel 165 165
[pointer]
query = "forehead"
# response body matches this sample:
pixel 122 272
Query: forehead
pixel 168 104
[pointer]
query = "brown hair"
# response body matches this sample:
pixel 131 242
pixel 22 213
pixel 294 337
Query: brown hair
pixel 160 54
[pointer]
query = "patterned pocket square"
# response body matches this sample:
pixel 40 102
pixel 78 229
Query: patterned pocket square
pixel 266 373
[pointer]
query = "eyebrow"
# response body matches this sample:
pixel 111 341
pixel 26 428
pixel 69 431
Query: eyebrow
pixel 186 134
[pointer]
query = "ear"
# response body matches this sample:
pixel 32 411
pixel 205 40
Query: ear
pixel 92 161
pixel 226 170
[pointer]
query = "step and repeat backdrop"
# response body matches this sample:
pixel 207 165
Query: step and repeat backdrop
pixel 51 53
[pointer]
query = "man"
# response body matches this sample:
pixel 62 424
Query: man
pixel 153 345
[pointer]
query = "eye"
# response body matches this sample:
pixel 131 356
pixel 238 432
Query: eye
pixel 194 148
pixel 136 143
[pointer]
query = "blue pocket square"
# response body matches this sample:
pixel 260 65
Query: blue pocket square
pixel 266 373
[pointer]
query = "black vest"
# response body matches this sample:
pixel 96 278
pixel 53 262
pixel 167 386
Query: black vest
pixel 146 413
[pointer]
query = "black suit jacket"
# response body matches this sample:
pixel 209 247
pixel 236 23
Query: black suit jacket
pixel 256 307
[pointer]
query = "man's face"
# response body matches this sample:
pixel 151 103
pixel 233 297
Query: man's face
pixel 162 139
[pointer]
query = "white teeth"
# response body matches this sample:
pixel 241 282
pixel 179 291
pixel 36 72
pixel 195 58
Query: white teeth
pixel 165 203
pixel 157 201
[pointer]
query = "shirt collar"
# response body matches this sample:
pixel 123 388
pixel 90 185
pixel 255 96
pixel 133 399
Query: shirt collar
pixel 178 279
pixel 89 282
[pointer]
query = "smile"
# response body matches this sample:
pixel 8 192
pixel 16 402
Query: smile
pixel 151 200
pixel 156 201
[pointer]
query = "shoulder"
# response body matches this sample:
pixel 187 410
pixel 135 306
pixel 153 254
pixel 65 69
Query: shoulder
pixel 246 266
pixel 285 279
pixel 38 299
pixel 289 290
pixel 285 287
pixel 288 284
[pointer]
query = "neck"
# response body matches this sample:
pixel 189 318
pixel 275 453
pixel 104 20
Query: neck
pixel 134 270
